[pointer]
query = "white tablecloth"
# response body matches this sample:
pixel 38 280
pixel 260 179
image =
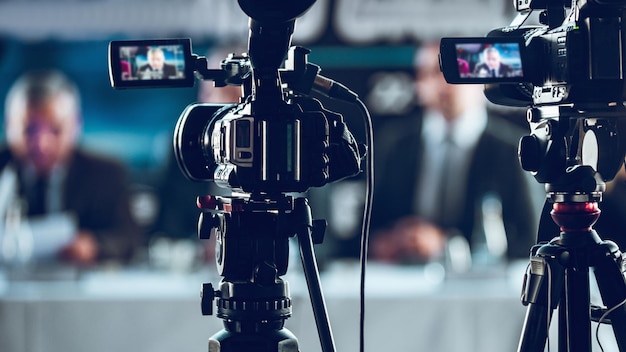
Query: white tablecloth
pixel 407 309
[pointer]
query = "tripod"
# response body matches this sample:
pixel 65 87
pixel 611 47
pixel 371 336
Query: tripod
pixel 252 253
pixel 559 269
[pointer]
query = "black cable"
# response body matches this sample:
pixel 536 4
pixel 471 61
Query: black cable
pixel 336 90
pixel 367 214
pixel 549 299
pixel 606 314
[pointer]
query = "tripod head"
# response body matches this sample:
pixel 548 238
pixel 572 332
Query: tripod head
pixel 573 152
pixel 564 136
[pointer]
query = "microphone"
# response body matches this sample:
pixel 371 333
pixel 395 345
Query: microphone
pixel 333 89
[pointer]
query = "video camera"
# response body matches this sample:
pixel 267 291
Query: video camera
pixel 575 57
pixel 569 69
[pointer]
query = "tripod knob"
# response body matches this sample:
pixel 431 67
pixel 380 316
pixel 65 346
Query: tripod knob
pixel 318 230
pixel 206 223
pixel 206 202
pixel 530 153
pixel 207 295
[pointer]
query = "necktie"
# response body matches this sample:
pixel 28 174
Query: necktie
pixel 37 199
pixel 446 201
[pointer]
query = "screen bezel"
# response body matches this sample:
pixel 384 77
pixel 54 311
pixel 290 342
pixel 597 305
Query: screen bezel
pixel 449 66
pixel 115 69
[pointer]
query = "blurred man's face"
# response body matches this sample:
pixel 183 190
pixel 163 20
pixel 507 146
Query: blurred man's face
pixel 43 135
pixel 156 59
pixel 431 87
pixel 493 59
pixel 433 92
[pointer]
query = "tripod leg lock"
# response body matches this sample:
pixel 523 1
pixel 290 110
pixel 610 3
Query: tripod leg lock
pixel 533 280
pixel 540 282
pixel 598 314
pixel 318 230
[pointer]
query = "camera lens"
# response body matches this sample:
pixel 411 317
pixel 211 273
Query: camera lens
pixel 193 152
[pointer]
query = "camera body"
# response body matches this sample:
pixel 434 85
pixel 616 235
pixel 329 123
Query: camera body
pixel 248 151
pixel 574 57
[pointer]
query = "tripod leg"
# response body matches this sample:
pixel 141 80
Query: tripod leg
pixel 311 273
pixel 574 311
pixel 542 293
pixel 612 285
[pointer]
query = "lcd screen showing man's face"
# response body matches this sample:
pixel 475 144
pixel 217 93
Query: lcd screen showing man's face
pixel 483 60
pixel 151 63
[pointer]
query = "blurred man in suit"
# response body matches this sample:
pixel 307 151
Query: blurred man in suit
pixel 492 65
pixel 445 170
pixel 56 179
pixel 156 68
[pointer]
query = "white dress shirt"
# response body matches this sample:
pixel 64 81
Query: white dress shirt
pixel 464 133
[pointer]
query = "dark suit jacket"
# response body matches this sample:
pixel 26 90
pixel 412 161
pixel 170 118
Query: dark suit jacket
pixel 494 169
pixel 178 213
pixel 97 191
pixel 504 70
pixel 168 70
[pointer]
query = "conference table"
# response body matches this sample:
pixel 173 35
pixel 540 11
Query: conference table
pixel 408 308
